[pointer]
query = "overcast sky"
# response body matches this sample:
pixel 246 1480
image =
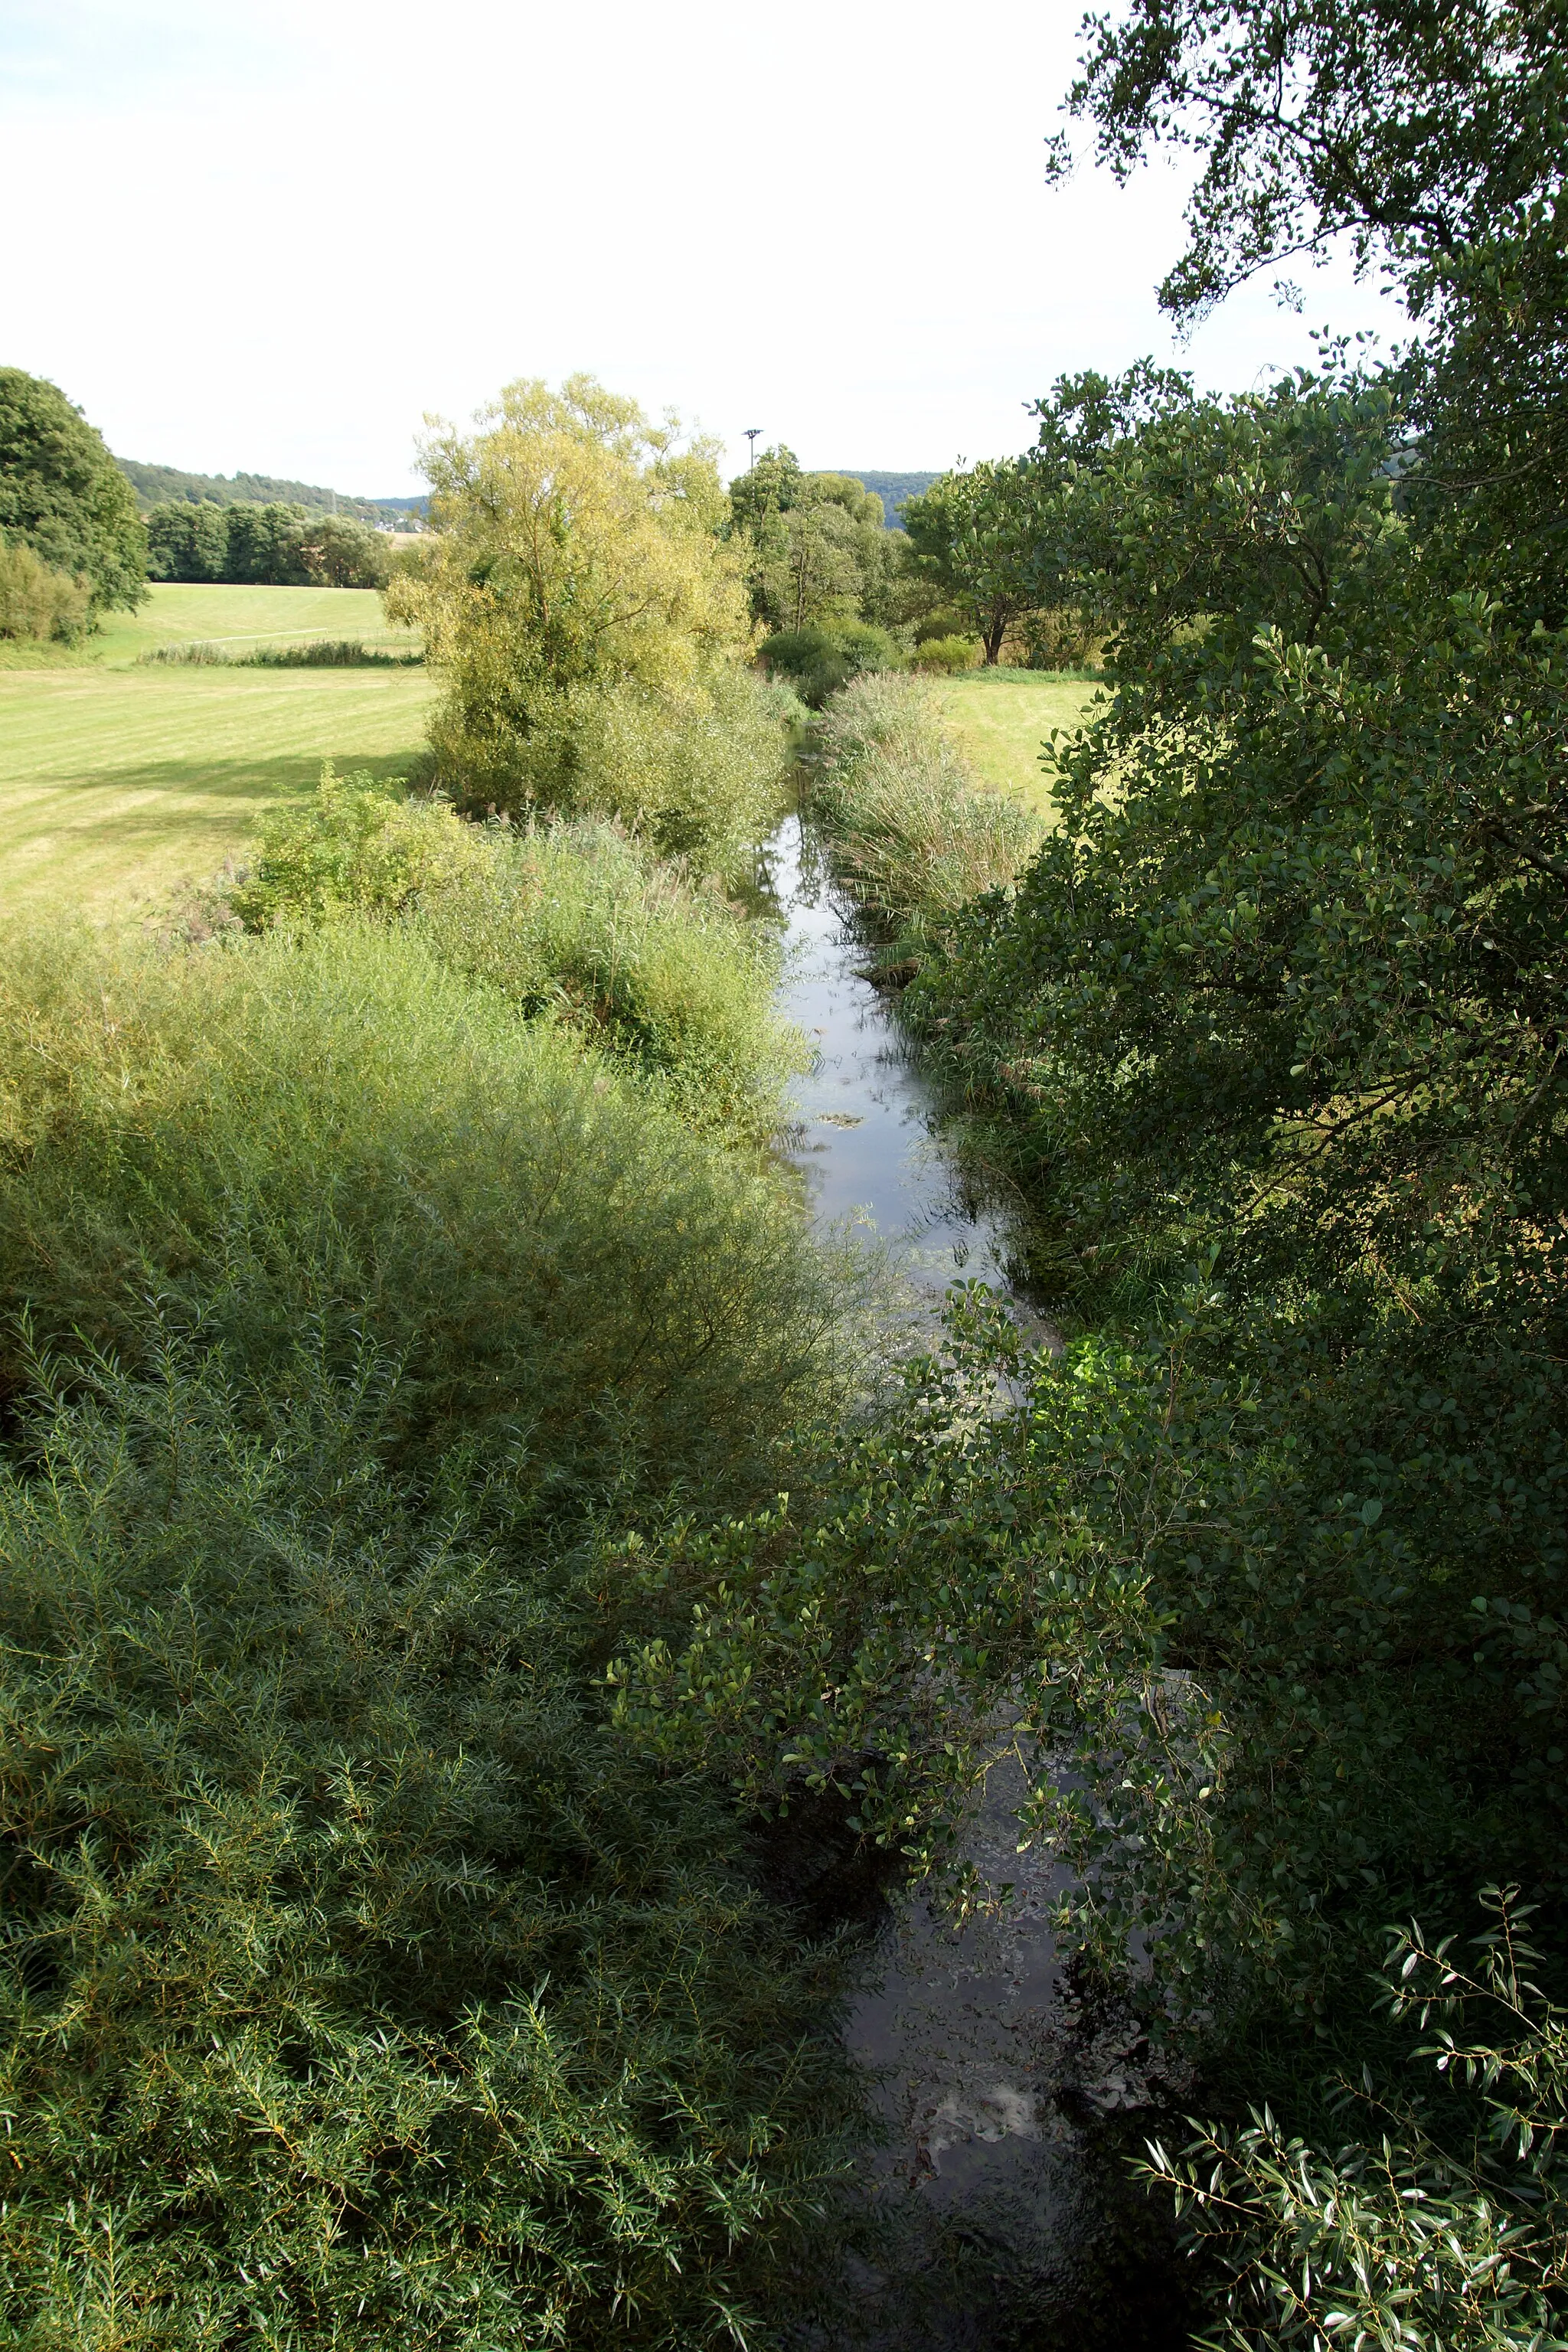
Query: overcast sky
pixel 271 234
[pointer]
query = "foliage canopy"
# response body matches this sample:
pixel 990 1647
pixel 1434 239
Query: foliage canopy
pixel 62 495
pixel 588 620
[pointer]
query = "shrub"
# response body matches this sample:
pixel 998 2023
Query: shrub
pixel 946 621
pixel 919 839
pixel 949 654
pixel 199 653
pixel 819 660
pixel 578 924
pixel 321 653
pixel 330 653
pixel 35 601
pixel 700 775
pixel 343 1131
pixel 357 1988
pixel 358 846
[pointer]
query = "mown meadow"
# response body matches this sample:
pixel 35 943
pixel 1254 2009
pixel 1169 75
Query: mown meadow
pixel 121 781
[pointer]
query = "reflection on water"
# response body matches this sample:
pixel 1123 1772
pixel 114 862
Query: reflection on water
pixel 865 1117
pixel 964 2029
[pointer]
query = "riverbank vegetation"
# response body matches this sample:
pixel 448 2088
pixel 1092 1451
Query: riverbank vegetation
pixel 376 1258
pixel 1264 1573
pixel 919 840
pixel 65 506
pixel 457 1517
pixel 342 1304
pixel 579 924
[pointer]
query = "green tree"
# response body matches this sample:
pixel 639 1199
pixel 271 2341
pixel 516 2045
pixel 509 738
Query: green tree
pixel 266 544
pixel 973 534
pixel 588 620
pixel 62 494
pixel 1433 139
pixel 998 542
pixel 188 542
pixel 816 549
pixel 1412 131
pixel 341 553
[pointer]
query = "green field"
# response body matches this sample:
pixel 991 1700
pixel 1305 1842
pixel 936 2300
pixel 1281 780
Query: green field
pixel 1000 722
pixel 120 784
pixel 123 782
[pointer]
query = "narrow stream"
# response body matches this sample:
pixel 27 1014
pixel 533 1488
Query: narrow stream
pixel 866 1132
pixel 987 2167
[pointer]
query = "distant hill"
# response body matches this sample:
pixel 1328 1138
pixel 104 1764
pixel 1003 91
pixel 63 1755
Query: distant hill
pixel 168 486
pixel 891 489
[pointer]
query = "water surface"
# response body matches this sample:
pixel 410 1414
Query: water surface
pixel 964 2029
pixel 865 1131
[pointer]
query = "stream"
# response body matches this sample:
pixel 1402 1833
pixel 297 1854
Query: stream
pixel 865 1132
pixel 990 2082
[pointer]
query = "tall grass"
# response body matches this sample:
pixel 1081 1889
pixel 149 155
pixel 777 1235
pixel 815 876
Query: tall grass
pixel 891 788
pixel 358 1989
pixel 342 1131
pixel 577 924
pixel 332 653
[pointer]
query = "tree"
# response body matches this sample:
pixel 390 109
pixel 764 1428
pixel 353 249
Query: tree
pixel 341 553
pixel 588 620
pixel 266 544
pixel 816 548
pixel 990 539
pixel 1433 139
pixel 275 546
pixel 62 495
pixel 188 542
pixel 972 534
pixel 1411 131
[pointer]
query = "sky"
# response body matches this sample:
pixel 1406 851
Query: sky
pixel 273 234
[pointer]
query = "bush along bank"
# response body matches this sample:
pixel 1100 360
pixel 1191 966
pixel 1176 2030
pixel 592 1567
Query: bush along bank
pixel 362 1272
pixel 1272 1556
pixel 916 837
pixel 375 1279
pixel 358 1986
pixel 576 923
pixel 358 1981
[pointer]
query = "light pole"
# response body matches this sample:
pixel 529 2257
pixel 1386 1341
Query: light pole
pixel 752 432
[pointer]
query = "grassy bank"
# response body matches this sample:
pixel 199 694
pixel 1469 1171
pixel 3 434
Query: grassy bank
pixel 919 833
pixel 577 926
pixel 1000 724
pixel 475 2023
pixel 119 785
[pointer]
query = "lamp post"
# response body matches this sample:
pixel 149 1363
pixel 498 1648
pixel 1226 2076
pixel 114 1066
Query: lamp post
pixel 752 432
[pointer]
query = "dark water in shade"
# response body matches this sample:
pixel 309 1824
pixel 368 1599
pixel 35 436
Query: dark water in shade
pixel 987 2168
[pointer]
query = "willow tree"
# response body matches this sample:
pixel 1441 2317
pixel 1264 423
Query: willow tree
pixel 588 621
